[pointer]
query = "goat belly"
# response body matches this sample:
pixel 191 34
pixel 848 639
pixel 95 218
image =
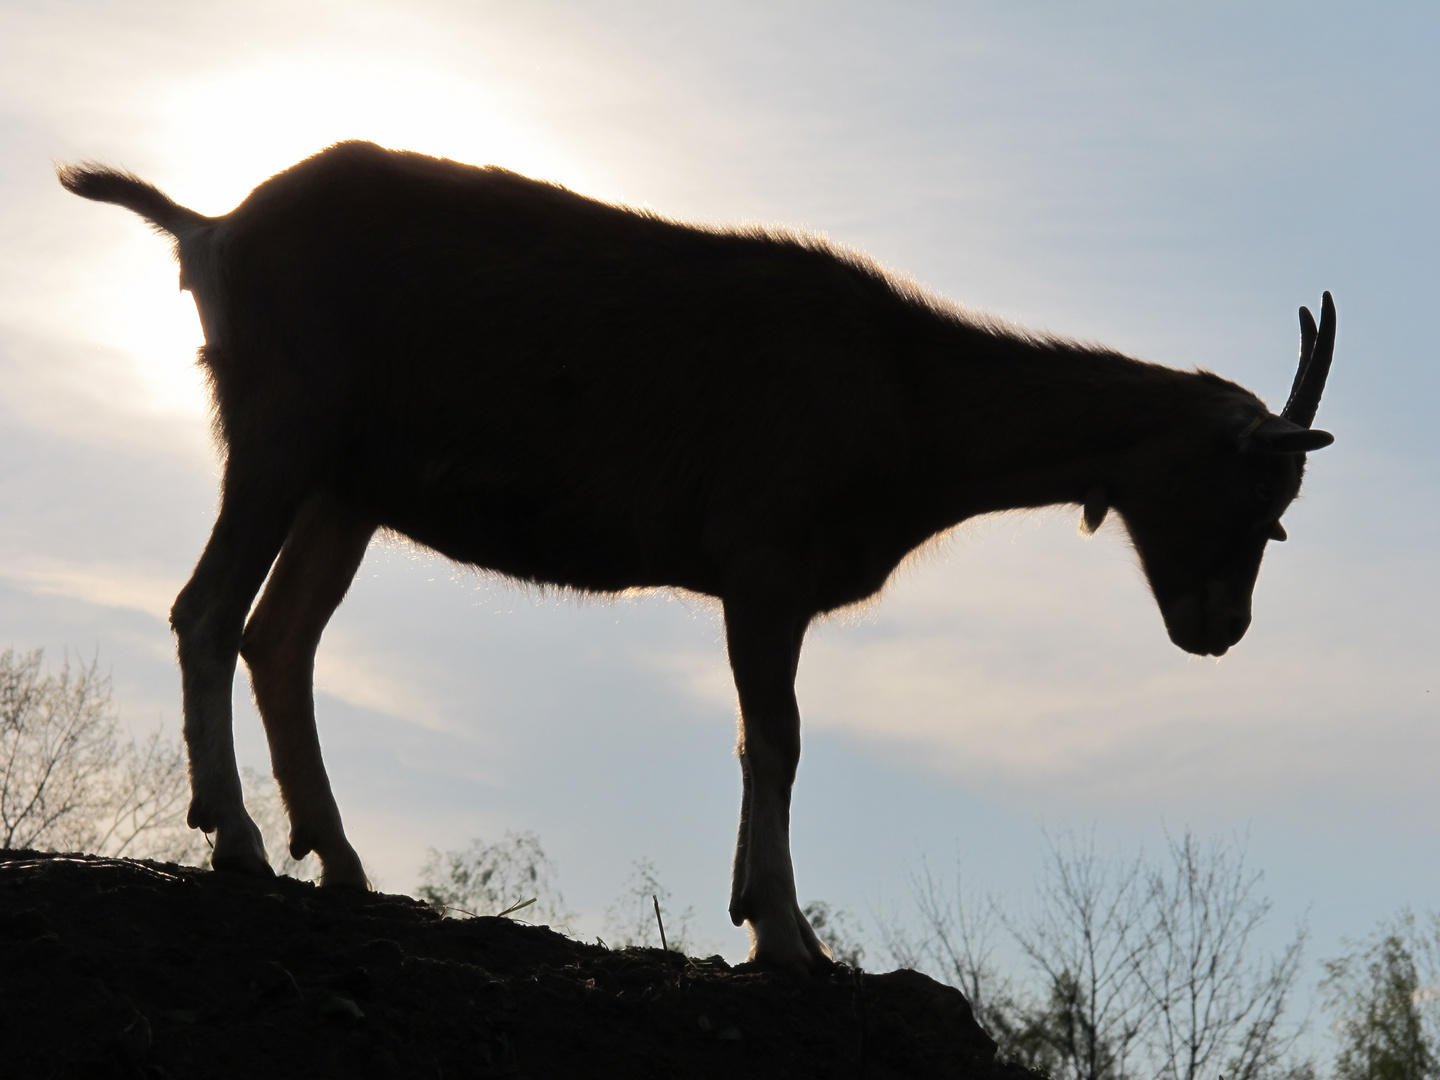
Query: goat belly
pixel 549 537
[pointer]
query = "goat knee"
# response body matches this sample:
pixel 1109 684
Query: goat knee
pixel 257 648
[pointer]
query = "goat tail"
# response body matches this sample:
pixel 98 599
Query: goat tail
pixel 104 184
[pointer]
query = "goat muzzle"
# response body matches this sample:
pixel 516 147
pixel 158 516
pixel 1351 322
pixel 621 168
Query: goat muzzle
pixel 1208 621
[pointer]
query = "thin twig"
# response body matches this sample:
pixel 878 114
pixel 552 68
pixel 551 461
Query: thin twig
pixel 656 900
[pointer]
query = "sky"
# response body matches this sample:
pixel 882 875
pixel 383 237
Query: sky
pixel 1170 180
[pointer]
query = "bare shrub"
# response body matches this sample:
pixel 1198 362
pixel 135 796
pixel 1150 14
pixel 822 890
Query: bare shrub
pixel 1217 1009
pixel 956 940
pixel 68 782
pixel 1087 938
pixel 1137 969
pixel 490 879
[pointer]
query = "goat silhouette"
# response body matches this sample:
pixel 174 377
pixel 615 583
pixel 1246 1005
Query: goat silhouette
pixel 569 392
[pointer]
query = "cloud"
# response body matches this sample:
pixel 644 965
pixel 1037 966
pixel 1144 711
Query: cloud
pixel 106 584
pixel 368 675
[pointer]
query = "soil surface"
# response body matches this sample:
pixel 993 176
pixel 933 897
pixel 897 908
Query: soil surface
pixel 115 968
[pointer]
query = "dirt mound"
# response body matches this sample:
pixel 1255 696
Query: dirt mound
pixel 113 968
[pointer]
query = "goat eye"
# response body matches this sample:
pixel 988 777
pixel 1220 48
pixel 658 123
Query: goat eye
pixel 1264 492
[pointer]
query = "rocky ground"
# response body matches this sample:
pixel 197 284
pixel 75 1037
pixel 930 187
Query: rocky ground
pixel 114 968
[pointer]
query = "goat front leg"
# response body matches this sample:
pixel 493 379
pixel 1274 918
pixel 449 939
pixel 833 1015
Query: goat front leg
pixel 310 579
pixel 207 618
pixel 764 647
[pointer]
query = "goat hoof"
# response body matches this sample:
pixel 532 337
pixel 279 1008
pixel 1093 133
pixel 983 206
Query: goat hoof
pixel 343 872
pixel 240 849
pixel 786 942
pixel 238 863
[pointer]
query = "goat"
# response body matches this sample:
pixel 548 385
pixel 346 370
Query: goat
pixel 594 397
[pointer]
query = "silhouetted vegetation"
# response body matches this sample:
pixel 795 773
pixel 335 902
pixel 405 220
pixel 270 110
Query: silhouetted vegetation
pixel 836 927
pixel 69 778
pixel 490 879
pixel 1383 994
pixel 1136 968
pixel 630 920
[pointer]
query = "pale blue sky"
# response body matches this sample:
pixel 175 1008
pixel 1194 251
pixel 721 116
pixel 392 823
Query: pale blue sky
pixel 1173 182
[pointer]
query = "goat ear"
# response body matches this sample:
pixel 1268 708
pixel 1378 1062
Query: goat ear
pixel 1277 435
pixel 1277 532
pixel 1296 442
pixel 1097 505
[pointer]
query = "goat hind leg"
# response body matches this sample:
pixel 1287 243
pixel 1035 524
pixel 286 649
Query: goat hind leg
pixel 207 618
pixel 319 560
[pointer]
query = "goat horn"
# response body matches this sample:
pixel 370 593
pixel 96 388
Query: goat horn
pixel 1317 349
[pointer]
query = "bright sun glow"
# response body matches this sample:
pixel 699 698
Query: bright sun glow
pixel 227 133
pixel 232 131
